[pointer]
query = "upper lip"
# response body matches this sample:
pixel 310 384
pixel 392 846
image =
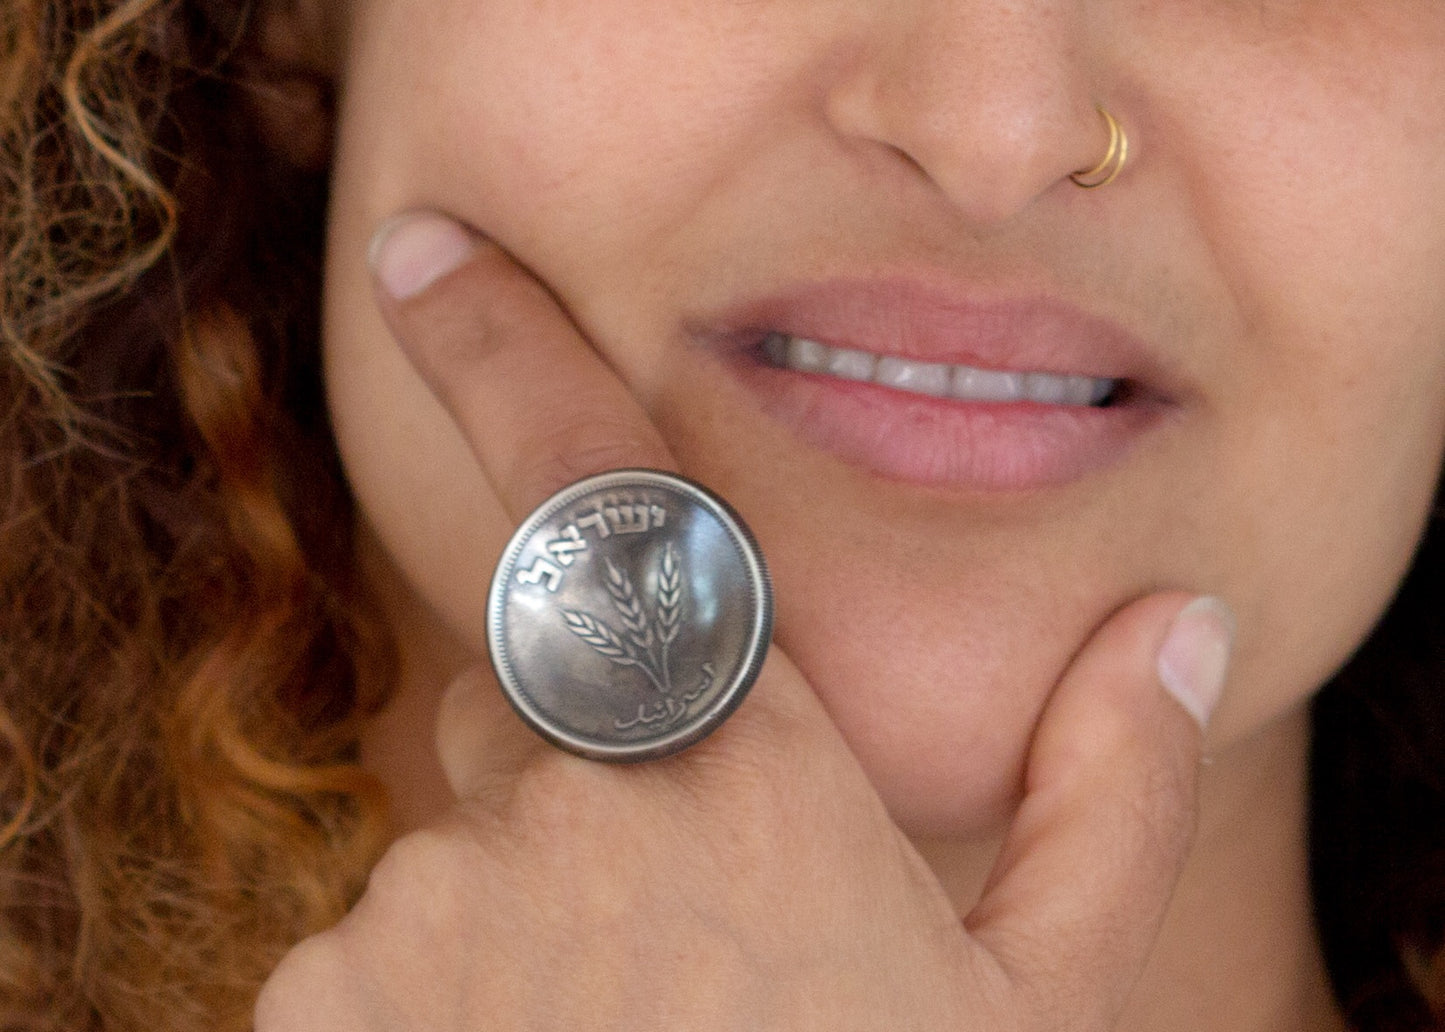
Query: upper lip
pixel 1022 331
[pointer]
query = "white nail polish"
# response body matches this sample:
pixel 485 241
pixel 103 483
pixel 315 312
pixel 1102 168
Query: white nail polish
pixel 1194 659
pixel 411 252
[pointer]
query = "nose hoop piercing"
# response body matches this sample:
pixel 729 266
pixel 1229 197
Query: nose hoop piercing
pixel 1109 167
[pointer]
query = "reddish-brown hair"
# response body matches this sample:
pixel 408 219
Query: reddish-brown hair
pixel 183 658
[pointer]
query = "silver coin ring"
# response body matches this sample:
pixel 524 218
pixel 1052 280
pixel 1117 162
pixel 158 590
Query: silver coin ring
pixel 629 615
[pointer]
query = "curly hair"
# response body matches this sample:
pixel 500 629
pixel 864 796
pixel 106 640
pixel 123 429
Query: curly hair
pixel 185 657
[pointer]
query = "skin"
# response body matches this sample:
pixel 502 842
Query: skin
pixel 652 167
pixel 757 880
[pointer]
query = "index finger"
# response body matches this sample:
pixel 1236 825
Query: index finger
pixel 539 406
pixel 540 409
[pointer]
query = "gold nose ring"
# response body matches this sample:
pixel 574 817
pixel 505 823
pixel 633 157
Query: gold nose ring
pixel 1109 167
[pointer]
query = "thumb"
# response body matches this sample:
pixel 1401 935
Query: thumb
pixel 1090 862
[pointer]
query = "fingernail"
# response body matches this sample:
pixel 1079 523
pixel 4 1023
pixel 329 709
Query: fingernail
pixel 1194 658
pixel 409 253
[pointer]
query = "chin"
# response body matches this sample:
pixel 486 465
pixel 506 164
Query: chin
pixel 941 726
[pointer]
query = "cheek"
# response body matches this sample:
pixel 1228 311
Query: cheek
pixel 1318 186
pixel 601 124
pixel 1339 482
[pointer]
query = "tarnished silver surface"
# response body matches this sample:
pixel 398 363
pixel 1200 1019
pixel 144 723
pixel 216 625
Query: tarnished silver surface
pixel 629 615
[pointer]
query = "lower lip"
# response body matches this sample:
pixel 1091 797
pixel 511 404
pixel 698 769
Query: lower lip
pixel 981 446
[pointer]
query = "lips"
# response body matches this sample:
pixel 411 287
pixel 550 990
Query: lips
pixel 919 384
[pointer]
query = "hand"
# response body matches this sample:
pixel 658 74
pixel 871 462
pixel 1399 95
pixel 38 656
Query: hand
pixel 754 881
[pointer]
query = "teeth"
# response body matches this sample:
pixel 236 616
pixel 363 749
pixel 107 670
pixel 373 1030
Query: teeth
pixel 986 385
pixel 919 377
pixel 851 365
pixel 807 356
pixel 962 383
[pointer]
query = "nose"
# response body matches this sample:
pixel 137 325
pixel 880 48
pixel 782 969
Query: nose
pixel 990 101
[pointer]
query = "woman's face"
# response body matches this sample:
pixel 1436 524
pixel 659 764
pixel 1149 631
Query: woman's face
pixel 698 180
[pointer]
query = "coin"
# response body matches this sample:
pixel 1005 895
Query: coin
pixel 629 615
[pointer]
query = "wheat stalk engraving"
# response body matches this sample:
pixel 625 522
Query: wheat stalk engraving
pixel 639 646
pixel 669 596
pixel 619 586
pixel 669 604
pixel 601 637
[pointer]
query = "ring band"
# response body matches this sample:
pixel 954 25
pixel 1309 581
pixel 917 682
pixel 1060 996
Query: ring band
pixel 1115 155
pixel 629 615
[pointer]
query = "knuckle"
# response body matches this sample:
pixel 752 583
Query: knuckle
pixel 1166 810
pixel 559 799
pixel 1152 782
pixel 579 445
pixel 291 997
pixel 1157 802
pixel 1058 998
pixel 393 871
pixel 418 882
pixel 560 820
pixel 744 812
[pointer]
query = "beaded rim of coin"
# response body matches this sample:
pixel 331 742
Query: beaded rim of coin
pixel 544 674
